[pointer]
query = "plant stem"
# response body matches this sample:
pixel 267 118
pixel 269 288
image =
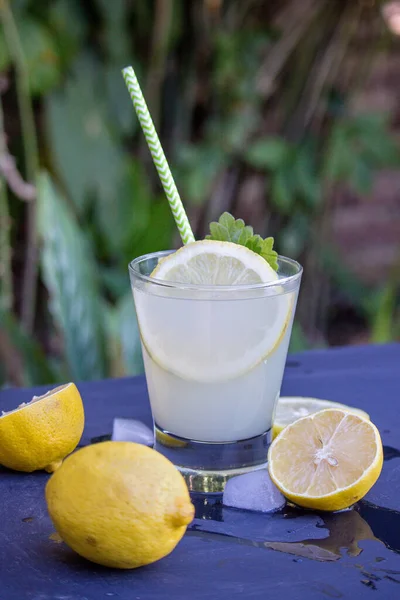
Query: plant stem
pixel 331 61
pixel 282 49
pixel 31 153
pixel 158 57
pixel 12 361
pixel 6 287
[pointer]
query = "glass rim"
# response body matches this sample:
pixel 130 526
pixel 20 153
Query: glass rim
pixel 210 288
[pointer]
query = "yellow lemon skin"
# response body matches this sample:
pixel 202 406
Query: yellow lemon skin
pixel 40 434
pixel 119 504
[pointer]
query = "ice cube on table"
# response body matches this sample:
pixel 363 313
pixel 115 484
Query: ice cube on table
pixel 253 491
pixel 130 430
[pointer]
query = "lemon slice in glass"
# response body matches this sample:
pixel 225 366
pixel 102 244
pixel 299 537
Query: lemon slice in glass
pixel 200 330
pixel 210 262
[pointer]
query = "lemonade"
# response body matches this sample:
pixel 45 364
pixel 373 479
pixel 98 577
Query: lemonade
pixel 196 394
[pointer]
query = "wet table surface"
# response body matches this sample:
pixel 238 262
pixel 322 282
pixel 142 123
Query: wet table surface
pixel 227 553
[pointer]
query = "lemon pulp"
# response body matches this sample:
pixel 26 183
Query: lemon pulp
pixel 327 461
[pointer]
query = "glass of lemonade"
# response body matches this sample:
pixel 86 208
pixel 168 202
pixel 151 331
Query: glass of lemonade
pixel 214 357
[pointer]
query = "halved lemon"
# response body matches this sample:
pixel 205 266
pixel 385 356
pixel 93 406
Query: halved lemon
pixel 39 434
pixel 217 333
pixel 326 461
pixel 290 408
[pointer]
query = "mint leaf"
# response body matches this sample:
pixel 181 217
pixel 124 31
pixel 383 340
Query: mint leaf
pixel 227 220
pixel 269 253
pixel 254 243
pixel 229 229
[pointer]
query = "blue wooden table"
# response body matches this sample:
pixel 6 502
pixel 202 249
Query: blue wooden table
pixel 227 553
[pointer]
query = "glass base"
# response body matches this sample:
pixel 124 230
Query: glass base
pixel 207 466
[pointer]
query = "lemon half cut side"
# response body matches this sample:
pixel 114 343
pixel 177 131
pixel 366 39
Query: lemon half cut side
pixel 326 461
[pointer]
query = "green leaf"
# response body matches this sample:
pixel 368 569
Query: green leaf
pixel 19 6
pixel 305 178
pixel 127 212
pixel 5 58
pixel 236 61
pixel 120 109
pixel 88 158
pixel 269 253
pixel 97 176
pixel 229 229
pixel 228 221
pixel 383 317
pixel 159 233
pixel 123 338
pixel 372 123
pixel 327 256
pixel 264 248
pixel 255 244
pixel 37 369
pixel 245 235
pixel 232 132
pixel 294 236
pixel 339 155
pixel 281 193
pixel 69 272
pixel 374 141
pixel 40 53
pixel 268 153
pixel 356 147
pixel 114 280
pixel 129 336
pixel 381 151
pixel 197 170
pixel 361 177
pixel 298 339
pixel 41 56
pixel 115 28
pixel 69 26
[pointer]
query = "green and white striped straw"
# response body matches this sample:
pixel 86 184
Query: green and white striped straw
pixel 158 155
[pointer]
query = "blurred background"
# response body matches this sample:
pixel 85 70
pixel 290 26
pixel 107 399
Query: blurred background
pixel 285 113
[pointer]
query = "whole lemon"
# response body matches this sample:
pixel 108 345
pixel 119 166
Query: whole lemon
pixel 119 504
pixel 39 434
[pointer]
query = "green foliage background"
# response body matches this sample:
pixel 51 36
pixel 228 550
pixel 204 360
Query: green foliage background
pixel 240 92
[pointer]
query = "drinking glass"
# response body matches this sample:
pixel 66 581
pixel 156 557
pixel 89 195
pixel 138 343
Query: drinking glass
pixel 214 358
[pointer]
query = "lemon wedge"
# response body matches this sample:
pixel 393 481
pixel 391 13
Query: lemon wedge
pixel 326 461
pixel 217 333
pixel 290 408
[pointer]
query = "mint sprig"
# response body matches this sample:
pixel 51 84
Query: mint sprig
pixel 229 229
